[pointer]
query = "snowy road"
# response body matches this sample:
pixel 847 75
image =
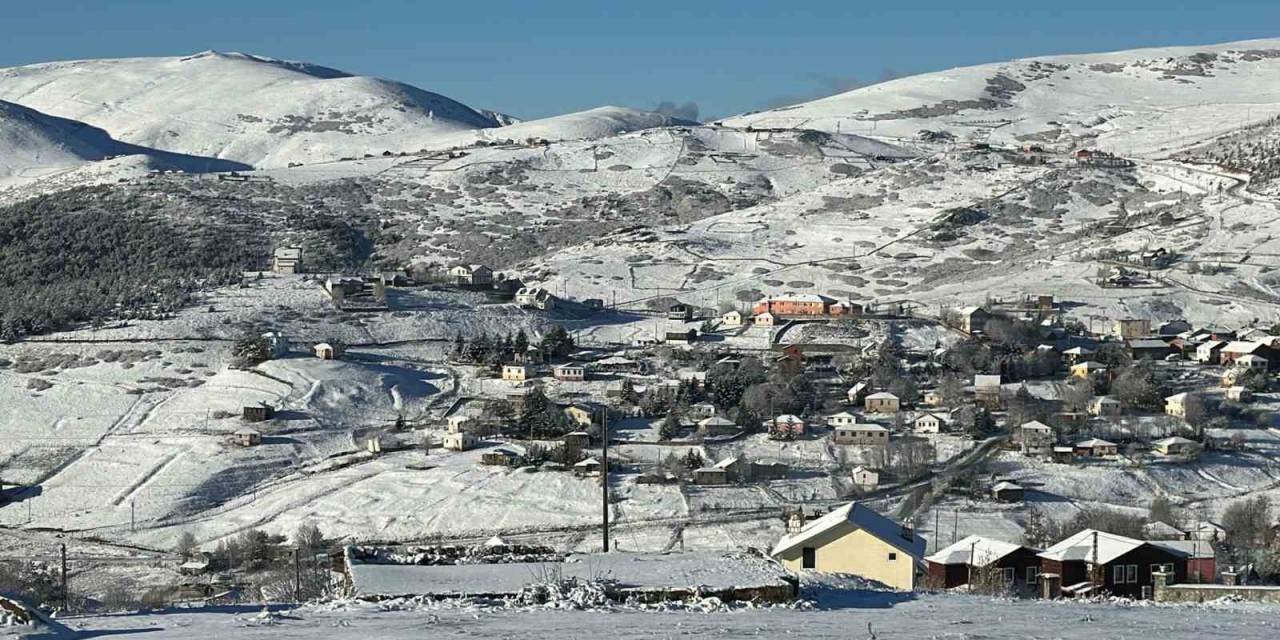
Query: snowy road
pixel 890 617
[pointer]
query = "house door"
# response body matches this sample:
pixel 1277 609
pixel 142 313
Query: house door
pixel 809 559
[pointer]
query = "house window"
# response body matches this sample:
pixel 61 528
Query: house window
pixel 1007 574
pixel 1131 573
pixel 1117 574
pixel 1032 574
pixel 809 559
pixel 893 556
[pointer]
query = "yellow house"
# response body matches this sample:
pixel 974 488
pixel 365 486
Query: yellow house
pixel 856 540
pixel 515 372
pixel 1087 368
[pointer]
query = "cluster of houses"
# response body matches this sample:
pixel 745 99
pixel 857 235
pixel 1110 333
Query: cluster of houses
pixel 770 311
pixel 854 539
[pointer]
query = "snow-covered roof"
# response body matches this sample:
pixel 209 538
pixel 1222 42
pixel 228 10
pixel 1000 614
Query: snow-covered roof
pixel 587 463
pixel 1242 346
pixel 842 415
pixel 1164 442
pixel 1079 351
pixel 861 469
pixel 726 463
pixel 1090 365
pixel 1105 400
pixel 716 421
pixel 1036 425
pixel 1081 546
pixel 616 360
pixel 1157 528
pixel 1006 486
pixel 866 426
pixel 1195 549
pixel 798 297
pixel 882 395
pixel 1210 345
pixel 1177 397
pixel 787 418
pixel 861 517
pixel 247 432
pixel 1251 357
pixel 1095 442
pixel 986 551
pixel 986 380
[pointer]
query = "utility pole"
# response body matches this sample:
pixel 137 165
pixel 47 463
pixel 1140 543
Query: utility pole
pixel 936 514
pixel 297 578
pixel 133 519
pixel 66 596
pixel 604 477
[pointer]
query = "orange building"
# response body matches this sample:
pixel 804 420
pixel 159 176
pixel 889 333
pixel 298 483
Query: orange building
pixel 795 305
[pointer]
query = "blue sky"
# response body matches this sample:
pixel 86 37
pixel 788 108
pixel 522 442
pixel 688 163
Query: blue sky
pixel 536 58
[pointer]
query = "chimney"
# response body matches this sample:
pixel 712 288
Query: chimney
pixel 1159 580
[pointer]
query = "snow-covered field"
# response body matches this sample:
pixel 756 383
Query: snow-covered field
pixel 839 614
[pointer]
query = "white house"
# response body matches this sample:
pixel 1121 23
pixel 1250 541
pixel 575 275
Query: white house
pixel 929 423
pixel 864 478
pixel 460 441
pixel 765 319
pixel 731 319
pixel 841 419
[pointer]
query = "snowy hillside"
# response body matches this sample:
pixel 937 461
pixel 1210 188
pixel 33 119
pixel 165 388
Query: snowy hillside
pixel 254 110
pixel 1126 102
pixel 57 152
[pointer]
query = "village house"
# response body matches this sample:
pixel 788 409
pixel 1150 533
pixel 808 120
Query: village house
pixel 1064 454
pixel 681 335
pixel 1036 438
pixel 1077 354
pixel 882 402
pixel 841 419
pixel 932 397
pixel 794 305
pixel 845 308
pixel 1162 531
pixel 1251 361
pixel 929 423
pixel 986 390
pixel 785 423
pixel 1149 349
pixel 973 319
pixel 864 478
pixel 1007 492
pixel 1176 404
pixel 260 412
pixel 1129 328
pixel 516 372
pixel 722 472
pixel 584 414
pixel 501 457
pixel 1174 446
pixel 855 540
pixel 1094 561
pixel 861 434
pixel 984 561
pixel 761 471
pixel 1210 352
pixel 535 298
pixel 277 343
pixel 857 392
pixel 1239 394
pixel 247 437
pixel 680 311
pixel 764 320
pixel 287 260
pixel 576 440
pixel 459 441
pixel 702 410
pixel 569 373
pixel 587 467
pixel 1096 448
pixel 460 422
pixel 328 351
pixel 1105 406
pixel 1239 349
pixel 1087 368
pixel 717 426
pixel 731 319
pixel 471 275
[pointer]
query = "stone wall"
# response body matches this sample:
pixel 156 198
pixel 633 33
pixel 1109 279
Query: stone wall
pixel 1206 592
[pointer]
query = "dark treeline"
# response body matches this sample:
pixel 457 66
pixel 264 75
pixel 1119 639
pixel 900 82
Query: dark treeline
pixel 89 256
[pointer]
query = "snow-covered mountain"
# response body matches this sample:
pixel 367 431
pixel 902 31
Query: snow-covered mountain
pixel 35 146
pixel 240 107
pixel 1129 102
